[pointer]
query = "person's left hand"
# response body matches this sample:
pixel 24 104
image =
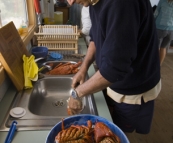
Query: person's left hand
pixel 75 106
pixel 80 32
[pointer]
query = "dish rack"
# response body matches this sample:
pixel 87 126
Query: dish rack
pixel 58 37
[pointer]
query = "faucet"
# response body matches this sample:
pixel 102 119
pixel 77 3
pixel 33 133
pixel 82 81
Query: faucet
pixel 44 67
pixel 48 67
pixel 38 59
pixel 40 75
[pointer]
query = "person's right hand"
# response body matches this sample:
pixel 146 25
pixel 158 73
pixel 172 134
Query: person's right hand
pixel 79 78
pixel 74 106
pixel 70 2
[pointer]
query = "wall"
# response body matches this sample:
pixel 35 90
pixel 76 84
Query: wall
pixel 154 2
pixel 4 87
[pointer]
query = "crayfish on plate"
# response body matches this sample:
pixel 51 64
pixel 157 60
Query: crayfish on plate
pixel 102 134
pixel 75 134
pixel 87 134
pixel 64 69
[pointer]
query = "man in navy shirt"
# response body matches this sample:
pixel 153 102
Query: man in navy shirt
pixel 124 45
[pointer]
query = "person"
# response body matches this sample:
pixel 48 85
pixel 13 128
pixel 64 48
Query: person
pixel 86 24
pixel 164 24
pixel 171 44
pixel 154 8
pixel 124 44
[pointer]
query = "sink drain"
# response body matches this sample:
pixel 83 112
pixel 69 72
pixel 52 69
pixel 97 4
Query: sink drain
pixel 59 103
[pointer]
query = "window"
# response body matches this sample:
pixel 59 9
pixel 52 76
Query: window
pixel 17 11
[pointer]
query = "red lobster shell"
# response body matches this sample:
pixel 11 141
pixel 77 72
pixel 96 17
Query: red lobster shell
pixel 102 134
pixel 75 134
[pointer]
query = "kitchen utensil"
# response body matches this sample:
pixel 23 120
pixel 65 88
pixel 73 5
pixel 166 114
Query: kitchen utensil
pixel 11 132
pixel 58 17
pixel 12 50
pixel 40 51
pixel 58 37
pixel 54 56
pixel 82 120
pixel 78 55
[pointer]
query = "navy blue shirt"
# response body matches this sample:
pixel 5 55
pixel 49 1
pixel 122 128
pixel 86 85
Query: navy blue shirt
pixel 127 52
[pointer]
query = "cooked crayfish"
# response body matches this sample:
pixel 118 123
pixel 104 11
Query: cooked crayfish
pixel 64 69
pixel 102 134
pixel 75 134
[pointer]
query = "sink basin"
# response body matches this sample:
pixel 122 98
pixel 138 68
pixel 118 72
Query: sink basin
pixel 49 96
pixel 45 104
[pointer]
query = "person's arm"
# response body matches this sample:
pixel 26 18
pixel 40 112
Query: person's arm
pixel 88 60
pixel 96 83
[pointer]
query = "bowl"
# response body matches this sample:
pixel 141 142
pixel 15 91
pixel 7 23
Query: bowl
pixel 39 52
pixel 82 120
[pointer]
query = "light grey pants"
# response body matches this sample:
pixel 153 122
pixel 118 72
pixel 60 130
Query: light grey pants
pixel 165 37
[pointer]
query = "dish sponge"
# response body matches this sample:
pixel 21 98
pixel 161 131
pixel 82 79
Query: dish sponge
pixel 30 69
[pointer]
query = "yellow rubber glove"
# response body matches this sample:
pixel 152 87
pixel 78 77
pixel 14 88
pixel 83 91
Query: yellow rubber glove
pixel 30 69
pixel 33 69
pixel 27 81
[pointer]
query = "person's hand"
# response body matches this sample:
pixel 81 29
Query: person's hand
pixel 80 32
pixel 74 106
pixel 79 78
pixel 70 2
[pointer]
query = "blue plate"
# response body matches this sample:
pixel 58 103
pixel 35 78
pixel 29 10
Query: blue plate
pixel 82 120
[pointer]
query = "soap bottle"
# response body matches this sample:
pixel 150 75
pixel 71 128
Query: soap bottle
pixel 24 27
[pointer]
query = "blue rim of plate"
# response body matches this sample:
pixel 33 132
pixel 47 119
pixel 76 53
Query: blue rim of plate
pixel 81 120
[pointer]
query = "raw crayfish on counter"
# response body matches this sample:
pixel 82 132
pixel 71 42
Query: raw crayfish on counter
pixel 64 69
pixel 86 134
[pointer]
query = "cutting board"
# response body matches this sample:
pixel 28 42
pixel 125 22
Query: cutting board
pixel 12 50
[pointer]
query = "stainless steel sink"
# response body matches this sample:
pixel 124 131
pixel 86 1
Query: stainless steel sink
pixel 53 64
pixel 46 104
pixel 49 96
